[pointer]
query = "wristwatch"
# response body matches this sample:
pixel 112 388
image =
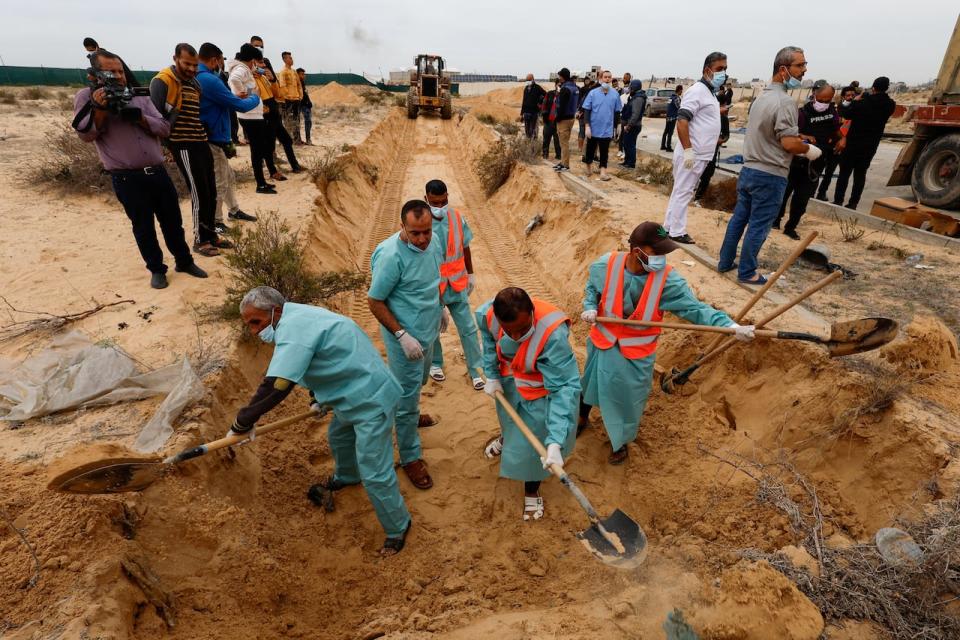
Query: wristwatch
pixel 399 333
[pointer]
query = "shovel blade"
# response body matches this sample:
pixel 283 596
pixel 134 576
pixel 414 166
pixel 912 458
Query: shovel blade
pixel 110 476
pixel 622 528
pixel 857 336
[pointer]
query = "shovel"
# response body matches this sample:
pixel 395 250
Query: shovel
pixel 616 540
pixel 118 475
pixel 846 338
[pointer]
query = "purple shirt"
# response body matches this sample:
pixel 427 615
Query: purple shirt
pixel 125 145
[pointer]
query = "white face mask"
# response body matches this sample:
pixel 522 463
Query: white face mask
pixel 846 103
pixel 820 107
pixel 527 335
pixel 439 212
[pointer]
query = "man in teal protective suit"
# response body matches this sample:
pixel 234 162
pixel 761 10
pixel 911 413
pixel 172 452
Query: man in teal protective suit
pixel 456 280
pixel 404 297
pixel 638 285
pixel 527 357
pixel 332 357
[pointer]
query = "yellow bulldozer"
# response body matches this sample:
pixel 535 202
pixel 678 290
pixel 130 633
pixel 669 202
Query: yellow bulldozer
pixel 429 87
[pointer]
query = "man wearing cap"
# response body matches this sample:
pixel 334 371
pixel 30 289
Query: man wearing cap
pixel 638 285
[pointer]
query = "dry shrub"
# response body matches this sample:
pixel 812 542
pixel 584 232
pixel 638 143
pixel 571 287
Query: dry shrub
pixel 495 165
pixel 850 229
pixel 68 163
pixel 721 196
pixel 488 119
pixel 35 93
pixel 326 167
pixel 400 101
pixel 884 387
pixel 654 171
pixel 8 96
pixel 270 254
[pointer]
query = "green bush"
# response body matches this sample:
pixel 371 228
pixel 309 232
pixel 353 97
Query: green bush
pixel 270 254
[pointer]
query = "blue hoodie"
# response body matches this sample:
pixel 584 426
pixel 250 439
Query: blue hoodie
pixel 216 103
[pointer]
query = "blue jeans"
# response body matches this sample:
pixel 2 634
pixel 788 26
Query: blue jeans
pixel 629 140
pixel 759 195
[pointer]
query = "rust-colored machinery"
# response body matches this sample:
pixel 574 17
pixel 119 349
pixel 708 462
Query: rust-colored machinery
pixel 429 87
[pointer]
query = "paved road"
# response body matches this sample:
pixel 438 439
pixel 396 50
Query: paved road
pixel 876 178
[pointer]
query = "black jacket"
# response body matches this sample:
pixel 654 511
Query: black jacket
pixel 868 116
pixel 532 94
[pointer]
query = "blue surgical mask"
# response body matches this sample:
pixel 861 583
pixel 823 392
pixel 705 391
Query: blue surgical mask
pixel 261 70
pixel 527 335
pixel 654 263
pixel 718 79
pixel 267 334
pixel 605 85
pixel 791 82
pixel 439 212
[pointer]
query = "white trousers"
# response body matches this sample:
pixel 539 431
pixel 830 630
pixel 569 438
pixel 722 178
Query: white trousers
pixel 226 183
pixel 684 185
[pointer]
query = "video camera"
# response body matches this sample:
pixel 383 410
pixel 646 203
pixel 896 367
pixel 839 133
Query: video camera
pixel 118 95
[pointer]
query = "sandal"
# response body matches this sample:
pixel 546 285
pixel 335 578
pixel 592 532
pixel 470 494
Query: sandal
pixel 532 508
pixel 426 420
pixel 393 546
pixel 206 249
pixel 760 280
pixel 619 456
pixel 437 374
pixel 417 473
pixel 321 494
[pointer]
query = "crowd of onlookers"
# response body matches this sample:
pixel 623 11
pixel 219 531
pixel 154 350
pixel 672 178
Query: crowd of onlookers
pixel 196 108
pixel 790 153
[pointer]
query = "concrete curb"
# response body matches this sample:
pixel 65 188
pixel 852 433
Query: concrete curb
pixel 579 186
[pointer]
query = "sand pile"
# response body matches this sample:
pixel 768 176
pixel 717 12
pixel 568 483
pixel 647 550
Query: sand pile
pixel 926 346
pixel 334 94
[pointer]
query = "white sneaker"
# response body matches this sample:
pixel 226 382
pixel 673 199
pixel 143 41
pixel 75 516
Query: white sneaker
pixel 532 508
pixel 437 374
pixel 697 204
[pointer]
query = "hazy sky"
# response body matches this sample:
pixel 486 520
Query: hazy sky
pixel 843 39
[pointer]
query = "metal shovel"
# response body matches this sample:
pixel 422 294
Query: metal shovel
pixel 616 540
pixel 119 475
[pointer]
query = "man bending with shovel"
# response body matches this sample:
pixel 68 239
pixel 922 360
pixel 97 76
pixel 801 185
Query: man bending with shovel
pixel 527 357
pixel 637 285
pixel 332 357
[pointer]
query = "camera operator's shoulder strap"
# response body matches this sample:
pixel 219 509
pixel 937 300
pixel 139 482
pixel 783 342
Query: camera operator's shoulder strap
pixel 85 110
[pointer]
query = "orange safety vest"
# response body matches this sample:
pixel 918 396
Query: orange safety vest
pixel 634 342
pixel 523 366
pixel 453 270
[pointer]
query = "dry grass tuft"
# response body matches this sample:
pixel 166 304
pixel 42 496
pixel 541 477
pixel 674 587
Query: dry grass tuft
pixel 494 166
pixel 326 167
pixel 721 196
pixel 850 229
pixel 69 164
pixel 35 93
pixel 884 388
pixel 8 96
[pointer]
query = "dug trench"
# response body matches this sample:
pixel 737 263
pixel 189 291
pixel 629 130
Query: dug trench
pixel 232 547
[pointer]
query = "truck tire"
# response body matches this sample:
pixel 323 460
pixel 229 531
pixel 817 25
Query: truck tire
pixel 446 107
pixel 936 174
pixel 413 108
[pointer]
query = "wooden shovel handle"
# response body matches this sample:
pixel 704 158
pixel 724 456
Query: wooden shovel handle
pixel 755 298
pixel 760 333
pixel 199 450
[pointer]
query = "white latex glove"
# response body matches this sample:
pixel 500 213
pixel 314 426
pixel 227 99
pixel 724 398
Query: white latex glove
pixel 553 456
pixel 471 283
pixel 688 158
pixel 411 347
pixel 589 133
pixel 491 387
pixel 744 333
pixel 813 152
pixel 494 449
pixel 318 409
pixel 249 435
pixel 589 316
pixel 444 320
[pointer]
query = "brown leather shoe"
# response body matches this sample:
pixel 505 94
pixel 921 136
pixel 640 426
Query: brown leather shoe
pixel 426 420
pixel 619 456
pixel 418 474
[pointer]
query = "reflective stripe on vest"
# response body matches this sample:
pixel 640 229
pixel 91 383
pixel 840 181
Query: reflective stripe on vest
pixel 453 270
pixel 523 366
pixel 633 342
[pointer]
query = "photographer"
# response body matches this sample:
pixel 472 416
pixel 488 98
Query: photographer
pixel 126 130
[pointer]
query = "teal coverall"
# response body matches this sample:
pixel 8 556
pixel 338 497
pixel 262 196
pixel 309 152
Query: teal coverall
pixel 330 355
pixel 620 386
pixel 459 304
pixel 552 418
pixel 408 281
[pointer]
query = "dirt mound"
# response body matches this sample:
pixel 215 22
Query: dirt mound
pixel 510 97
pixel 334 94
pixel 927 346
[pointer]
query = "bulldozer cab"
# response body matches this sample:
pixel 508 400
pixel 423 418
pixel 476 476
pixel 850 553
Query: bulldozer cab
pixel 429 70
pixel 429 87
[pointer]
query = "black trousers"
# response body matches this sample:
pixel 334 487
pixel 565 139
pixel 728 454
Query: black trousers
pixel 195 161
pixel 261 141
pixel 530 124
pixel 827 178
pixel 234 128
pixel 666 142
pixel 603 144
pixel 281 135
pixel 801 185
pixel 550 133
pixel 856 163
pixel 707 175
pixel 145 198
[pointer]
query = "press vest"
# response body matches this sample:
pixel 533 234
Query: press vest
pixel 523 366
pixel 453 270
pixel 634 342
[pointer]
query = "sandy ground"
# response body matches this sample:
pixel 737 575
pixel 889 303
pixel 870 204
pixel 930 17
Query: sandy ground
pixel 240 552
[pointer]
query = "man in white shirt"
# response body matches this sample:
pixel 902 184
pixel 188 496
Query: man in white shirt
pixel 698 128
